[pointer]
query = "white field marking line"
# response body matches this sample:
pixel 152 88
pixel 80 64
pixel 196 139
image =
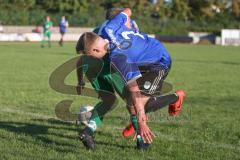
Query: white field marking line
pixel 159 134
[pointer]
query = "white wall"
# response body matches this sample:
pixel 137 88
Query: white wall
pixel 24 33
pixel 231 37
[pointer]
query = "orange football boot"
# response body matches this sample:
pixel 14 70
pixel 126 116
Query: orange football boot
pixel 128 131
pixel 175 108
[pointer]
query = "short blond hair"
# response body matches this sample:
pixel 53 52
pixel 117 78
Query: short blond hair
pixel 85 42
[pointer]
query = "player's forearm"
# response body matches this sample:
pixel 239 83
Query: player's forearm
pixel 138 100
pixel 79 76
pixel 128 12
pixel 79 72
pixel 138 103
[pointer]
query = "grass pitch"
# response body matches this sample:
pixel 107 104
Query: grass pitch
pixel 208 127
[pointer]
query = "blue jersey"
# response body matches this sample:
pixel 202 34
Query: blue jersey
pixel 130 49
pixel 63 26
pixel 103 25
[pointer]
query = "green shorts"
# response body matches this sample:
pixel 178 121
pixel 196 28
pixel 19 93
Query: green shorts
pixel 107 81
pixel 47 34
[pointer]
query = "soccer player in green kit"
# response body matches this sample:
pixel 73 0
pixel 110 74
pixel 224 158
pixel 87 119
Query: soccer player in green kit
pixel 47 27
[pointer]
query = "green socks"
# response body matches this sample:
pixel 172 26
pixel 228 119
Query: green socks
pixel 135 126
pixel 94 122
pixel 97 117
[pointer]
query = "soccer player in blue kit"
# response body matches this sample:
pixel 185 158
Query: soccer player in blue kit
pixel 128 51
pixel 63 24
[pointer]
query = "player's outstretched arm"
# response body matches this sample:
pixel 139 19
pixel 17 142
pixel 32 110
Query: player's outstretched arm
pixel 122 18
pixel 139 102
pixel 130 23
pixel 128 11
pixel 79 70
pixel 111 13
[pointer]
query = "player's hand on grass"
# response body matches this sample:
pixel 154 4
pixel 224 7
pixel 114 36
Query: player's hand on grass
pixel 144 131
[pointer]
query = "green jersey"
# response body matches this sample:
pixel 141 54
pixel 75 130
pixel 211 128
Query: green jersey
pixel 47 25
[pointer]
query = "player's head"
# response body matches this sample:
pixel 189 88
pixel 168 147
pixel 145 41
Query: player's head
pixel 48 18
pixel 63 18
pixel 92 44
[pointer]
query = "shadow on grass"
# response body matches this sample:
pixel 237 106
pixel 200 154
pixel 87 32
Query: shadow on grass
pixel 24 128
pixel 57 124
pixel 42 131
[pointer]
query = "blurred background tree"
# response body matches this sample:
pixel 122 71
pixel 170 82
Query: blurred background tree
pixel 236 8
pixel 168 17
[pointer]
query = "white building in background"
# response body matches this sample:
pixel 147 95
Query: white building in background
pixel 230 37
